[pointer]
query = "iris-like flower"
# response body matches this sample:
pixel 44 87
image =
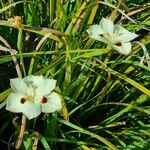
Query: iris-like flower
pixel 116 36
pixel 33 95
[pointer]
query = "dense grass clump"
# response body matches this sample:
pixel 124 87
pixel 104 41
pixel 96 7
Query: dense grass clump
pixel 105 95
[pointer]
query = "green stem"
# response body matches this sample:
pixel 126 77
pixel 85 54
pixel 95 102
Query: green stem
pixel 20 48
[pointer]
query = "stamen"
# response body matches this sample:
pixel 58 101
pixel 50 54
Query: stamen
pixel 23 100
pixel 44 100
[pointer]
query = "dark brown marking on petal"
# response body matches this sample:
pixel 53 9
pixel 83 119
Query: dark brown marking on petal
pixel 101 35
pixel 23 100
pixel 118 44
pixel 44 100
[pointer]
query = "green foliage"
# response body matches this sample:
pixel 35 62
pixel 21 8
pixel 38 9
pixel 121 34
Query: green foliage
pixel 106 94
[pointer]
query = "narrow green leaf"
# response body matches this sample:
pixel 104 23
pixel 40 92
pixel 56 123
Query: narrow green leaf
pixel 4 94
pixel 9 6
pixel 81 130
pixel 44 142
pixel 121 76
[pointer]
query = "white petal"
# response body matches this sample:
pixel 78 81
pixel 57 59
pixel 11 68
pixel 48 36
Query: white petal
pixel 125 49
pixel 108 39
pixel 34 80
pixel 94 31
pixel 18 85
pixel 32 110
pixel 14 103
pixel 107 25
pixel 46 86
pixel 125 35
pixel 53 104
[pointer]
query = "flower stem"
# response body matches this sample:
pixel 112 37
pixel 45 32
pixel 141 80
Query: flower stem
pixel 20 48
pixel 36 134
pixel 17 21
pixel 20 137
pixel 23 122
pixel 16 64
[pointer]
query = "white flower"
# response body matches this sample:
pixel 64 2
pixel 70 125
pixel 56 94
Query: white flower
pixel 114 35
pixel 33 95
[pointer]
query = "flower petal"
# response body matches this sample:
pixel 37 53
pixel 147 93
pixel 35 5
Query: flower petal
pixel 95 32
pixel 125 49
pixel 53 104
pixel 17 105
pixel 18 85
pixel 125 35
pixel 14 103
pixel 32 110
pixel 34 80
pixel 107 25
pixel 46 86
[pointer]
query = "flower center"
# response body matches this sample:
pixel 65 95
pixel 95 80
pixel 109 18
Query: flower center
pixel 116 39
pixel 31 92
pixel 107 37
